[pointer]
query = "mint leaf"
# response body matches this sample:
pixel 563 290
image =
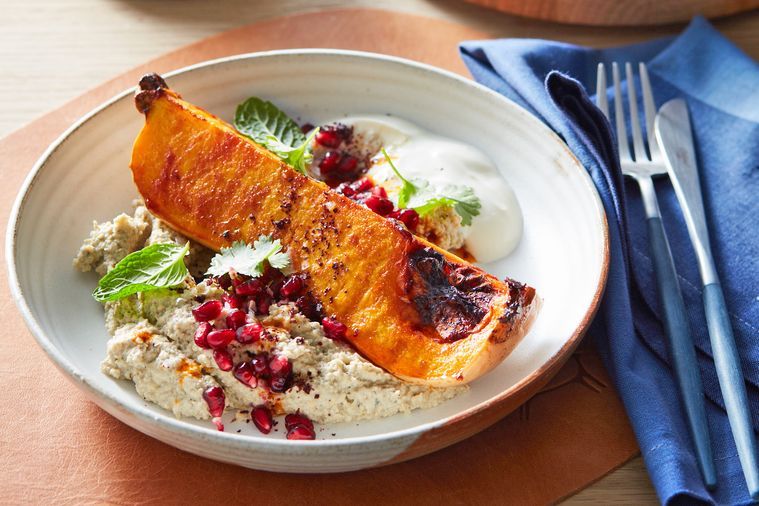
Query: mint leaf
pixel 260 119
pixel 298 157
pixel 156 266
pixel 270 127
pixel 423 198
pixel 244 259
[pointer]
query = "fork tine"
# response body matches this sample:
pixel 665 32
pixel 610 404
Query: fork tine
pixel 601 98
pixel 619 115
pixel 649 107
pixel 639 150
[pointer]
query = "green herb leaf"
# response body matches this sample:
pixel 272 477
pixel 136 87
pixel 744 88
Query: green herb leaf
pixel 423 198
pixel 244 259
pixel 260 119
pixel 298 157
pixel 266 124
pixel 156 266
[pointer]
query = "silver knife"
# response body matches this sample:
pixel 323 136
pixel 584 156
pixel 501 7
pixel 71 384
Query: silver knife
pixel 673 131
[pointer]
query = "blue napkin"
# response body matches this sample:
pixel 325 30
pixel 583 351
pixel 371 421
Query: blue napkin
pixel 721 86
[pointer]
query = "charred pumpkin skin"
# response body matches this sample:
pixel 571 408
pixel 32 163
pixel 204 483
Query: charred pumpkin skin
pixel 411 308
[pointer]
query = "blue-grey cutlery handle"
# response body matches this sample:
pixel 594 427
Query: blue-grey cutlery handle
pixel 682 350
pixel 731 382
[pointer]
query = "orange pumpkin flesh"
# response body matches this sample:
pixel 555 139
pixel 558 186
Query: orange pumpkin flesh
pixel 419 312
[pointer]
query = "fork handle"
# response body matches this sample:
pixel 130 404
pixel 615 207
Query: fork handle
pixel 682 350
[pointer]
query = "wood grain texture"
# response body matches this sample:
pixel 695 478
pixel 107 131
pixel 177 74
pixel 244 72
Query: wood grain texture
pixel 51 51
pixel 616 13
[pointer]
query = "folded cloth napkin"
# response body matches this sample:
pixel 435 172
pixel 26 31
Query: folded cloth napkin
pixel 721 86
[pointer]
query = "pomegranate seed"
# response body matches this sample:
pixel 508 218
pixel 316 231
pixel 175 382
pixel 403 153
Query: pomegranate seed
pixel 300 432
pixel 310 307
pixel 201 333
pixel 409 217
pixel 279 383
pixel 245 374
pixel 218 423
pixel 260 365
pixel 379 191
pixel 214 397
pixel 346 190
pixel 209 310
pixel 262 304
pixel 306 127
pixel 328 137
pixel 236 319
pixel 218 339
pixel 294 419
pixel 293 286
pixel 223 359
pixel 363 184
pixel 348 164
pixel 280 366
pixel 330 162
pixel 334 329
pixel 379 205
pixel 261 417
pixel 232 301
pixel 250 287
pixel 249 333
pixel 224 281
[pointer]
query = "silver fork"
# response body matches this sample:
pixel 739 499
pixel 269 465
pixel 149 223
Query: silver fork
pixel 642 165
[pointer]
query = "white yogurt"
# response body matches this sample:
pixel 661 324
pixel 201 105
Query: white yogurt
pixel 418 153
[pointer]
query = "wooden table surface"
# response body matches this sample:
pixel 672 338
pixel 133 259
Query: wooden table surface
pixel 53 50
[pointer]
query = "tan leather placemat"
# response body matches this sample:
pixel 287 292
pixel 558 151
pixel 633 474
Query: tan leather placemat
pixel 56 447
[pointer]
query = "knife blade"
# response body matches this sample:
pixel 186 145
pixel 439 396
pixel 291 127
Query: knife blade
pixel 675 137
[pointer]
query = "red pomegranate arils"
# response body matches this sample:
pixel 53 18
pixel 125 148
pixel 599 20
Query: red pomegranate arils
pixel 218 423
pixel 218 339
pixel 249 333
pixel 232 301
pixel 292 286
pixel 250 287
pixel 348 164
pixel 334 329
pixel 346 189
pixel 408 217
pixel 362 185
pixel 201 333
pixel 379 205
pixel 328 137
pixel 379 192
pixel 209 310
pixel 294 419
pixel 262 419
pixel 236 319
pixel 215 398
pixel 279 365
pixel 223 359
pixel 306 127
pixel 245 374
pixel 330 162
pixel 300 432
pixel 262 304
pixel 260 365
pixel 279 383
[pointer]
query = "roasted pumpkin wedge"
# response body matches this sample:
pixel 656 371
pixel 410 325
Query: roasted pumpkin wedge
pixel 420 313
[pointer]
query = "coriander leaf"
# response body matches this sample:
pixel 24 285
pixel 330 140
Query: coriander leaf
pixel 462 198
pixel 261 120
pixel 156 266
pixel 298 157
pixel 408 189
pixel 244 259
pixel 423 198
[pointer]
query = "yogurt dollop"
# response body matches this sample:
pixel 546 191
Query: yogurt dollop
pixel 418 153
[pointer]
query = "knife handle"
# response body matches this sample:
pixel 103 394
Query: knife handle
pixel 731 383
pixel 682 350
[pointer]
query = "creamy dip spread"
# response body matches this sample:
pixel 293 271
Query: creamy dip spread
pixel 153 346
pixel 418 153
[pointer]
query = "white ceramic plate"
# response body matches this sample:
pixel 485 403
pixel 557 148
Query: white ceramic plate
pixel 84 176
